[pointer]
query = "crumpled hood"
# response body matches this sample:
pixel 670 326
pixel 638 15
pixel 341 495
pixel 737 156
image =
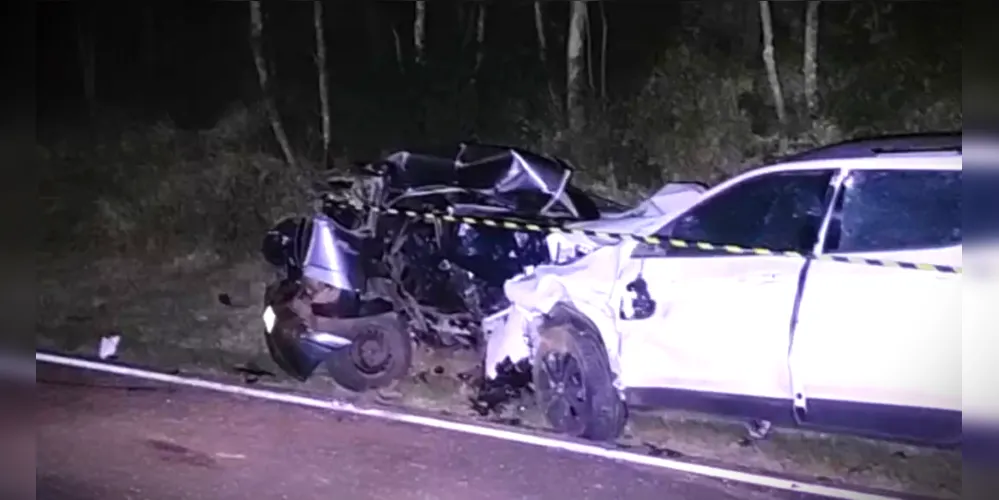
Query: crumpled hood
pixel 642 220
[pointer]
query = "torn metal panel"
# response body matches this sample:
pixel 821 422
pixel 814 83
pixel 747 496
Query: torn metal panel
pixel 442 277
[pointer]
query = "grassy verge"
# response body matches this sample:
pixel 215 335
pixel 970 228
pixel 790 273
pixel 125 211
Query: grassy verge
pixel 169 316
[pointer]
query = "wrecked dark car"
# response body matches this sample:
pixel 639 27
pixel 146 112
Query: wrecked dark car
pixel 366 275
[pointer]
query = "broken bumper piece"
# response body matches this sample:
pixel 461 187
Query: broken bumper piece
pixel 327 339
pixel 298 352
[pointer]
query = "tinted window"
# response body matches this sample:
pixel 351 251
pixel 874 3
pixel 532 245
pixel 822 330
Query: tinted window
pixel 981 203
pixel 896 210
pixel 779 211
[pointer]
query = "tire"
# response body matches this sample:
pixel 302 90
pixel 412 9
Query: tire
pixel 574 384
pixel 381 353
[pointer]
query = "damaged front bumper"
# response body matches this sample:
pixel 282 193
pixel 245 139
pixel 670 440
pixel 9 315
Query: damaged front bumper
pixel 295 343
pixel 581 285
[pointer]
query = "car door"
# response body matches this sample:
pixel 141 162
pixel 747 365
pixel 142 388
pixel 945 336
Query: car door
pixel 877 349
pixel 719 327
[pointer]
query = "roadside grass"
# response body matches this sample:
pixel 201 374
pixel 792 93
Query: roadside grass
pixel 169 316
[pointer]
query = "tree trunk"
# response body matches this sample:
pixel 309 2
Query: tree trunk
pixel 324 98
pixel 810 66
pixel 256 44
pixel 771 65
pixel 419 31
pixel 480 36
pixel 539 28
pixel 588 36
pixel 603 51
pixel 575 59
pixel 86 44
pixel 398 50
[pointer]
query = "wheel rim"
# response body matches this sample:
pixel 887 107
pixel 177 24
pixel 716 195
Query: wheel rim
pixel 565 403
pixel 370 352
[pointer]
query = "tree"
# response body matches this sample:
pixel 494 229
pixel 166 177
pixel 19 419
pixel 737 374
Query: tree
pixel 480 35
pixel 771 65
pixel 597 85
pixel 810 66
pixel 419 31
pixel 575 60
pixel 539 28
pixel 324 102
pixel 256 44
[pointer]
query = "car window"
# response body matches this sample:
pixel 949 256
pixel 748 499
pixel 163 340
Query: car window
pixel 883 210
pixel 778 211
pixel 980 203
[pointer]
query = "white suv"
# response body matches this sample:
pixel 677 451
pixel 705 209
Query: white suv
pixel 801 335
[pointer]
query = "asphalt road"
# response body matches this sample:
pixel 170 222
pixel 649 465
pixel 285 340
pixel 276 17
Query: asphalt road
pixel 106 438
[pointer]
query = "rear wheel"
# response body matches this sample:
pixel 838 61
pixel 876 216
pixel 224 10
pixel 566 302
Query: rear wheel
pixel 381 353
pixel 574 383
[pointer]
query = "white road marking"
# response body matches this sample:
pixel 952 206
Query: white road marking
pixel 436 423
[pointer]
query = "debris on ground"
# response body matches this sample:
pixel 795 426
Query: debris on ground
pixel 252 372
pixel 108 347
pixel 513 381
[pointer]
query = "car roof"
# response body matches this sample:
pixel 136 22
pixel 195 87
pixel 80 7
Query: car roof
pixel 936 151
pixel 871 147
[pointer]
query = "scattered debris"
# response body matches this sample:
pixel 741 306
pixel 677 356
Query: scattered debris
pixel 108 347
pixel 252 372
pixel 758 429
pixel 390 393
pixel 661 451
pixel 226 300
pixel 513 381
pixel 859 469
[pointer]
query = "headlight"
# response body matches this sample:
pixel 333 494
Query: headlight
pixel 269 318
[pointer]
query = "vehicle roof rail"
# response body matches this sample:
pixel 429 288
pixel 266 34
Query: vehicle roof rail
pixel 873 146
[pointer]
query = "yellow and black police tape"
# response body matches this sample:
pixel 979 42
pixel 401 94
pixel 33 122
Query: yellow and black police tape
pixel 515 225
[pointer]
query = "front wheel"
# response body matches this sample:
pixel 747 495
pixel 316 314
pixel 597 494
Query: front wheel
pixel 381 352
pixel 574 383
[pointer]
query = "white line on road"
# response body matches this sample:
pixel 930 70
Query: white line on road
pixel 436 423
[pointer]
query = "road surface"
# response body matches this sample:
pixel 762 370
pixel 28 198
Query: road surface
pixel 101 437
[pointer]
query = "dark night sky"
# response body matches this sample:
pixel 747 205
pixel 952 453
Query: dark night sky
pixel 200 58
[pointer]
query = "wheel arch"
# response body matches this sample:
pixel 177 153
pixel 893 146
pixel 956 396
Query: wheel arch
pixel 586 322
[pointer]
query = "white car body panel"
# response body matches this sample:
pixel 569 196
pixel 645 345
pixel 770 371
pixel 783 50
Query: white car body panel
pixel 888 312
pixel 689 344
pixel 979 343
